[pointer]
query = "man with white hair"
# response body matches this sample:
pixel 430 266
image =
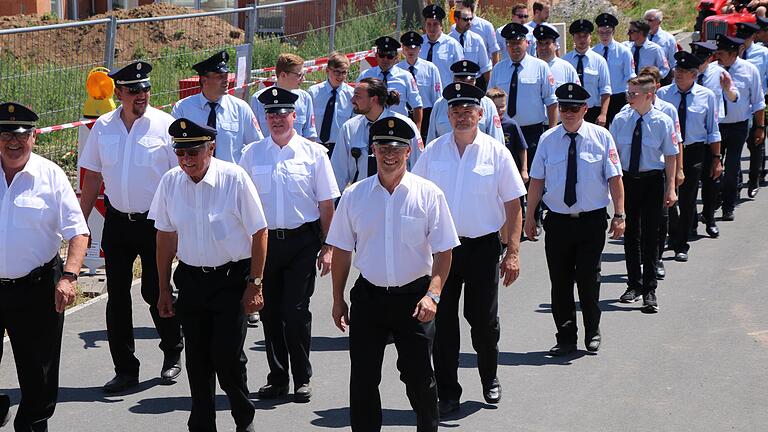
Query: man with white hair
pixel 663 38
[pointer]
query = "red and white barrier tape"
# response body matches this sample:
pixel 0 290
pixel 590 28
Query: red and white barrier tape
pixel 316 62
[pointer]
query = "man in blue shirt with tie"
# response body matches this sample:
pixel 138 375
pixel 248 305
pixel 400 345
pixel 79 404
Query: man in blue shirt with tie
pixel 644 52
pixel 619 59
pixel 663 38
pixel 425 73
pixel 438 47
pixel 592 71
pixel 332 100
pixel 645 139
pixel 472 44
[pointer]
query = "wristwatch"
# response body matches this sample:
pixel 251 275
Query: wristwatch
pixel 253 280
pixel 717 156
pixel 619 216
pixel 70 274
pixel 435 298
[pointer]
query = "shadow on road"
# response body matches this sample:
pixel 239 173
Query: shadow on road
pixel 90 338
pixel 339 417
pixel 608 305
pixel 532 358
pixel 90 394
pixel 319 344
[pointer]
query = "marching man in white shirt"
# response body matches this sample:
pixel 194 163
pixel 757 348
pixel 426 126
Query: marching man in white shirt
pixel 483 187
pixel 38 209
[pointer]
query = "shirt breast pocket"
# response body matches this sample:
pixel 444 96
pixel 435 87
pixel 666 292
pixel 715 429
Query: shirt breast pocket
pixel 592 164
pixel 590 77
pixel 150 151
pixel 413 230
pixel 222 225
pixel 438 173
pixel 109 149
pixel 28 211
pixel 529 84
pixel 556 167
pixel 297 178
pixel 262 178
pixel 482 179
pixel 696 116
pixel 230 127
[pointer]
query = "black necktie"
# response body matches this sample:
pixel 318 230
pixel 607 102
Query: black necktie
pixel 637 146
pixel 385 74
pixel 700 79
pixel 651 36
pixel 725 100
pixel 636 57
pixel 212 115
pixel 330 110
pixel 580 68
pixel 461 40
pixel 372 170
pixel 744 54
pixel 605 53
pixel 412 70
pixel 570 178
pixel 682 109
pixel 512 105
pixel 429 53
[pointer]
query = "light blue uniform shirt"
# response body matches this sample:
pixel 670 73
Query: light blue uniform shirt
pixel 651 54
pixel 354 133
pixel 563 72
pixel 620 66
pixel 490 123
pixel 485 29
pixel 671 112
pixel 236 125
pixel 746 78
pixel 658 138
pixel 711 80
pixel 305 114
pixel 504 54
pixel 320 94
pixel 597 162
pixel 758 56
pixel 701 117
pixel 597 80
pixel 474 50
pixel 667 43
pixel 445 52
pixel 400 80
pixel 535 90
pixel 427 79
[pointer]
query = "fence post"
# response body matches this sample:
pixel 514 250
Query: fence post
pixel 332 24
pixel 399 17
pixel 250 33
pixel 109 46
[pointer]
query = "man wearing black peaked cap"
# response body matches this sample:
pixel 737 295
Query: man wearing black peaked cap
pixel 426 74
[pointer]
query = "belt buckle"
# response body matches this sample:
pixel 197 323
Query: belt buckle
pixel 130 217
pixel 280 234
pixel 574 215
pixel 207 269
pixel 6 281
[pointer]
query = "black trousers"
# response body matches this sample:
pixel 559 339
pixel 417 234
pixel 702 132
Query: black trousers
pixel 532 133
pixel 122 242
pixel 693 167
pixel 28 313
pixel 756 158
pixel 618 100
pixel 670 217
pixel 733 137
pixel 710 190
pixel 574 248
pixel 592 114
pixel 289 281
pixel 643 202
pixel 475 265
pixel 374 315
pixel 211 313
pixel 425 113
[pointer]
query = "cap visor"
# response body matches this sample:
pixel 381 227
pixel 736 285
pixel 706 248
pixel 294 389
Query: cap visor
pixel 188 144
pixel 16 128
pixel 280 110
pixel 390 143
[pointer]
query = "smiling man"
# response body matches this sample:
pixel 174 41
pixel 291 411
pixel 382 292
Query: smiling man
pixel 129 150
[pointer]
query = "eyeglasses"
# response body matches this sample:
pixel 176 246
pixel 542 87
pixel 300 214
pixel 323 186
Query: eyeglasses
pixel 387 149
pixel 135 91
pixel 191 152
pixel 299 75
pixel 570 108
pixel 466 19
pixel 521 16
pixel 342 72
pixel 632 95
pixel 18 136
pixel 385 55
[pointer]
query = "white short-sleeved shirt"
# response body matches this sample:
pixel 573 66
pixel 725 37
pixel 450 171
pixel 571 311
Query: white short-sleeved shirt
pixel 427 79
pixel 37 211
pixel 321 94
pixel 400 80
pixel 476 184
pixel 214 218
pixel 490 123
pixel 291 181
pixel 597 162
pixel 131 163
pixel 304 124
pixel 236 124
pixel 393 235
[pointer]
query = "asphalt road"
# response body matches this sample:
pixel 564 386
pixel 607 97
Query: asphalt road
pixel 698 365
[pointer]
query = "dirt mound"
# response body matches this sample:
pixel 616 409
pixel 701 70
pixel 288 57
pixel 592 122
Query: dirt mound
pixel 86 44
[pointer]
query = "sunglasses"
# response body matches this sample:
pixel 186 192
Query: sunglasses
pixel 570 108
pixel 465 19
pixel 191 152
pixel 521 16
pixel 135 91
pixel 385 55
pixel 18 136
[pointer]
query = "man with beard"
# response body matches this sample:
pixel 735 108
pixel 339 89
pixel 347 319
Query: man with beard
pixel 129 150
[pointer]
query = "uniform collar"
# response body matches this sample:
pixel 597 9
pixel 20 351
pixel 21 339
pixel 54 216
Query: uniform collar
pixel 203 101
pixel 582 132
pixel 32 167
pixel 405 182
pixel 210 175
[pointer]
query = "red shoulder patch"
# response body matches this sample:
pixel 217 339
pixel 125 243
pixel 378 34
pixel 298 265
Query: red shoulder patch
pixel 613 156
pixel 551 79
pixel 496 121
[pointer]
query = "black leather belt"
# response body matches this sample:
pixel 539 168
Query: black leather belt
pixel 34 274
pixel 470 240
pixel 597 212
pixel 282 234
pixel 644 174
pixel 417 286
pixel 206 269
pixel 133 217
pixel 691 145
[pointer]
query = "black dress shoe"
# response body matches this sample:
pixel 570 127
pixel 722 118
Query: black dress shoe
pixel 728 216
pixel 492 392
pixel 447 406
pixel 5 407
pixel 271 391
pixel 593 343
pixel 254 319
pixel 713 231
pixel 249 428
pixel 661 273
pixel 560 350
pixel 752 192
pixel 681 257
pixel 171 371
pixel 120 383
pixel 629 296
pixel 650 304
pixel 302 393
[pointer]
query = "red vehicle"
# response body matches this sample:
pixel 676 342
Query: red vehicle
pixel 720 17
